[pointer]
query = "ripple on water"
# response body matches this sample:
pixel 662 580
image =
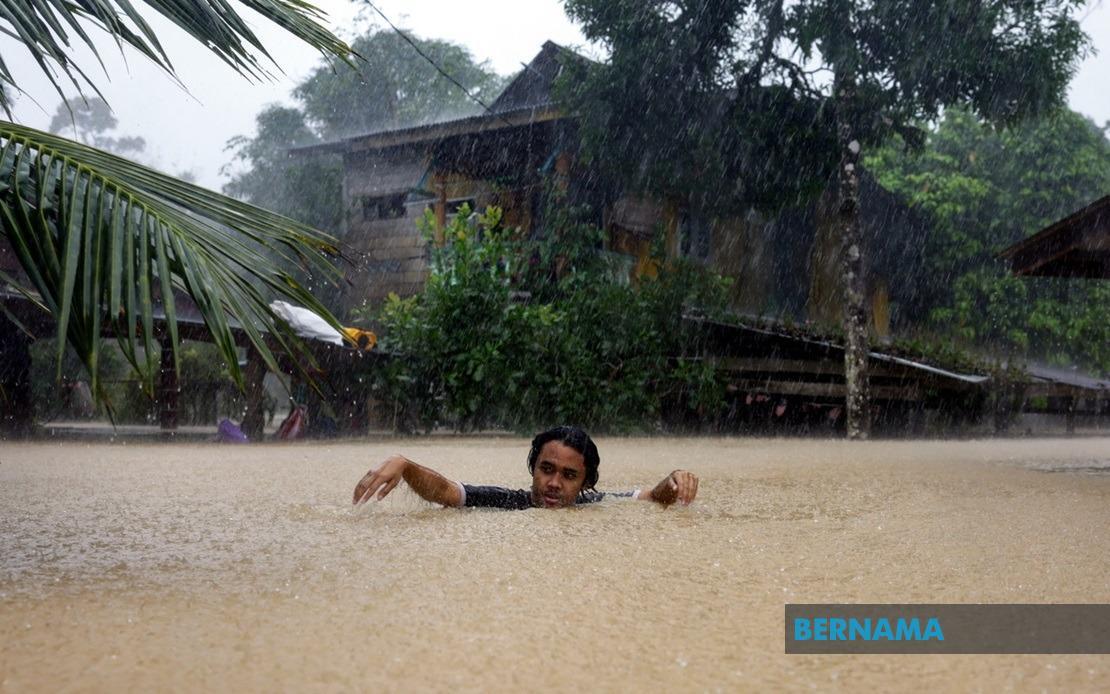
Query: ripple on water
pixel 216 567
pixel 1091 466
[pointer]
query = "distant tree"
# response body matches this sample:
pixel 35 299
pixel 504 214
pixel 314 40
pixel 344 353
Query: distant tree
pixel 392 86
pixel 91 121
pixel 308 189
pixel 985 189
pixel 735 102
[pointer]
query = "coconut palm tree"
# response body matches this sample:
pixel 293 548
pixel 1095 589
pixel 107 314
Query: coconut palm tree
pixel 105 242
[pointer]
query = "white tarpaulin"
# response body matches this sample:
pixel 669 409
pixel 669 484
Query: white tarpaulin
pixel 305 323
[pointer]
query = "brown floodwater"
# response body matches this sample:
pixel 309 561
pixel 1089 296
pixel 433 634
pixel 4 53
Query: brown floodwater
pixel 184 567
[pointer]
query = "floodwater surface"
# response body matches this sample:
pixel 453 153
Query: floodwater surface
pixel 188 567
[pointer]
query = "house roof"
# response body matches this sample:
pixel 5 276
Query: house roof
pixel 784 346
pixel 533 86
pixel 1067 377
pixel 1076 246
pixel 525 101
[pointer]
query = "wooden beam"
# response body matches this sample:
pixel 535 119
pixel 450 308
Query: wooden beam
pixel 816 366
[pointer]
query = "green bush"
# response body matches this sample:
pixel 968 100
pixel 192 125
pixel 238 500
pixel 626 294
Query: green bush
pixel 497 341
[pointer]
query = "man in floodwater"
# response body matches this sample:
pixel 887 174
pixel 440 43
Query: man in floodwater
pixel 563 462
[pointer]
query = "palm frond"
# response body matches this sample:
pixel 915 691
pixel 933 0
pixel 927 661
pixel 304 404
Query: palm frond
pixel 105 242
pixel 48 28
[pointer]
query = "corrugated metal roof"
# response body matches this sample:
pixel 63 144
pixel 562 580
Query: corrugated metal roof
pixel 1068 377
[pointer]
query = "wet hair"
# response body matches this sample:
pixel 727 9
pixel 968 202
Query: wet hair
pixel 575 438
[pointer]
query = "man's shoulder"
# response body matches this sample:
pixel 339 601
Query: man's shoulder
pixel 485 496
pixel 592 496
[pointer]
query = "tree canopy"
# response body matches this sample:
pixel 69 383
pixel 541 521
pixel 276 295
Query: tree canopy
pixel 393 86
pixel 91 121
pixel 985 189
pixel 734 102
pixel 731 104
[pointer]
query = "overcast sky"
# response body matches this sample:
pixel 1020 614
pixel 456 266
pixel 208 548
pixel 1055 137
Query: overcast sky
pixel 187 131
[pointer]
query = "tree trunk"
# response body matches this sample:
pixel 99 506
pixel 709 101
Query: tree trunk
pixel 254 418
pixel 855 309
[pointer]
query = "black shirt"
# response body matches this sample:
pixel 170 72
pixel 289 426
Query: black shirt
pixel 518 499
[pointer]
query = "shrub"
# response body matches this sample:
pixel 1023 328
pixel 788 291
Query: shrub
pixel 521 334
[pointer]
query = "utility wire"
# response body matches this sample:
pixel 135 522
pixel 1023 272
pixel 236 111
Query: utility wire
pixel 1094 6
pixel 433 63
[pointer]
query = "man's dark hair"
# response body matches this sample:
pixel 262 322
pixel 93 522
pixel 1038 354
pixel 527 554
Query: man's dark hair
pixel 575 438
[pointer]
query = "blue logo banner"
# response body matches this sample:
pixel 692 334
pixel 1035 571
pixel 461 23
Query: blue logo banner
pixel 946 628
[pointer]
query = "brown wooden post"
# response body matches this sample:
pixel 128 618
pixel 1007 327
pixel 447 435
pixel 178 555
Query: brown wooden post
pixel 439 182
pixel 562 172
pixel 670 224
pixel 254 418
pixel 168 389
pixel 1070 402
pixel 880 309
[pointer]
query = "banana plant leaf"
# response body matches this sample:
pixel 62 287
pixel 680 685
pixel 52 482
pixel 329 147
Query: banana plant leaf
pixel 106 242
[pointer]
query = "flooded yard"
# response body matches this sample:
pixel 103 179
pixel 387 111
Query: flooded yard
pixel 145 566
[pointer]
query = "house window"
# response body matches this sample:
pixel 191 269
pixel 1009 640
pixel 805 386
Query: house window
pixel 383 207
pixel 453 206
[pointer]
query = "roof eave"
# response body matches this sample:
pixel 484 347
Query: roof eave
pixel 437 131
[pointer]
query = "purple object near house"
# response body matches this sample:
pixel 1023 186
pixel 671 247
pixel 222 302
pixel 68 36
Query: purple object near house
pixel 228 432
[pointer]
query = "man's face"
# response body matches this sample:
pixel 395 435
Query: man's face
pixel 558 476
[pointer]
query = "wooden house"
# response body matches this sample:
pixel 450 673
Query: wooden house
pixel 1076 246
pixel 782 267
pixel 509 156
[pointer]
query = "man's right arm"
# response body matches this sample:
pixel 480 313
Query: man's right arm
pixel 427 483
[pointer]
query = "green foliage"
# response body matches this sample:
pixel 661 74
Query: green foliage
pixel 487 345
pixel 308 189
pixel 99 237
pixel 391 86
pixel 102 239
pixel 733 103
pixel 985 189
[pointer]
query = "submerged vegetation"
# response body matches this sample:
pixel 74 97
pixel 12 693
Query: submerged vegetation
pixel 501 338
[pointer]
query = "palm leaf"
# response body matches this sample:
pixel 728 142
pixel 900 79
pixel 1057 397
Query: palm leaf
pixel 48 28
pixel 105 241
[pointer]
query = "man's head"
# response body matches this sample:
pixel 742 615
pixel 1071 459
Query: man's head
pixel 563 461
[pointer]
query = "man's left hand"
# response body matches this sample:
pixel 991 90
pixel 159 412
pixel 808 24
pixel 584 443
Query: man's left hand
pixel 680 486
